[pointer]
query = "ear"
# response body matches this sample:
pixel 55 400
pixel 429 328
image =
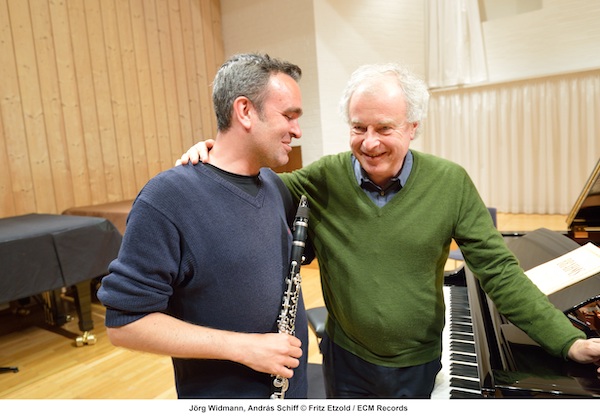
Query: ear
pixel 413 131
pixel 242 109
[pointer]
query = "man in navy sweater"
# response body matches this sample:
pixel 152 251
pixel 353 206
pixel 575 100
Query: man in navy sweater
pixel 200 274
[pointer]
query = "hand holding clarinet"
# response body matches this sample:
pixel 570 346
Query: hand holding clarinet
pixel 289 306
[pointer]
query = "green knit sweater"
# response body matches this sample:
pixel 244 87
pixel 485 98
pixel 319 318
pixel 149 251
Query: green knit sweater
pixel 382 269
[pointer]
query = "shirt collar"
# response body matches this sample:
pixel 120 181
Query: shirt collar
pixel 395 183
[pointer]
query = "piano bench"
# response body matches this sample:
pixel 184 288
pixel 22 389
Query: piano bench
pixel 316 320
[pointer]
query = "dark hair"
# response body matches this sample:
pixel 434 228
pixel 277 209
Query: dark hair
pixel 246 75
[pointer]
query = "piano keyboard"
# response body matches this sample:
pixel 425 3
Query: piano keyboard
pixel 464 379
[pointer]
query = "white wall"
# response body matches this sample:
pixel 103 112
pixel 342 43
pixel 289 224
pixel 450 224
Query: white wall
pixel 284 29
pixel 561 36
pixel 353 33
pixel 330 38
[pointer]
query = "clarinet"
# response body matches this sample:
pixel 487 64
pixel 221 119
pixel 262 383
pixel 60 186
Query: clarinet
pixel 287 318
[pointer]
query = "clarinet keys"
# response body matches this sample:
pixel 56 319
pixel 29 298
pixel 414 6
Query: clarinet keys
pixel 281 385
pixel 286 322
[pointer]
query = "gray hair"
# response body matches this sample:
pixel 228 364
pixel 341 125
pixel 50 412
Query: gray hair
pixel 414 89
pixel 246 75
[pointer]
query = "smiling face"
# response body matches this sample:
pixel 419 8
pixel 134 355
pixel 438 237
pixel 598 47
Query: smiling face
pixel 380 135
pixel 277 123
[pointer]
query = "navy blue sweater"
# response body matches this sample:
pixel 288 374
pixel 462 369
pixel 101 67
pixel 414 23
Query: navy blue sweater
pixel 199 248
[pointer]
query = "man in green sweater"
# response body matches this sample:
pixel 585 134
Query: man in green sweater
pixel 382 221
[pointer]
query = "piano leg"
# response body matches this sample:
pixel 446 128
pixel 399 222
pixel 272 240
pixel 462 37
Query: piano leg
pixel 56 314
pixel 83 305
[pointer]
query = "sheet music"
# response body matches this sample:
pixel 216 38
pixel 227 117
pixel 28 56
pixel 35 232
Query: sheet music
pixel 566 270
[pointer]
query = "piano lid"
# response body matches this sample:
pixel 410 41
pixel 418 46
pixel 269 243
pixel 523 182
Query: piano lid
pixel 585 214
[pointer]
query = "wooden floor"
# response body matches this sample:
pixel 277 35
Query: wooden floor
pixel 51 366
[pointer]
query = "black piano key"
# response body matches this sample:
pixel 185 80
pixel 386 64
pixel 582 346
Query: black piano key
pixel 464 370
pixel 456 394
pixel 460 357
pixel 462 315
pixel 457 346
pixel 465 337
pixel 461 327
pixel 463 383
pixel 460 312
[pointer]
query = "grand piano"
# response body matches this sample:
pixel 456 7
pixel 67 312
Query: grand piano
pixel 489 359
pixel 42 254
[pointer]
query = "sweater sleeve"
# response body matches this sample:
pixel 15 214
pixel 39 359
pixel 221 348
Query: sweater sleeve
pixel 503 279
pixel 140 279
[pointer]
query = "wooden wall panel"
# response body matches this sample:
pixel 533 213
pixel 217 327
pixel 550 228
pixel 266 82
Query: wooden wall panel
pixel 98 96
pixel 70 104
pixel 131 74
pixel 18 182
